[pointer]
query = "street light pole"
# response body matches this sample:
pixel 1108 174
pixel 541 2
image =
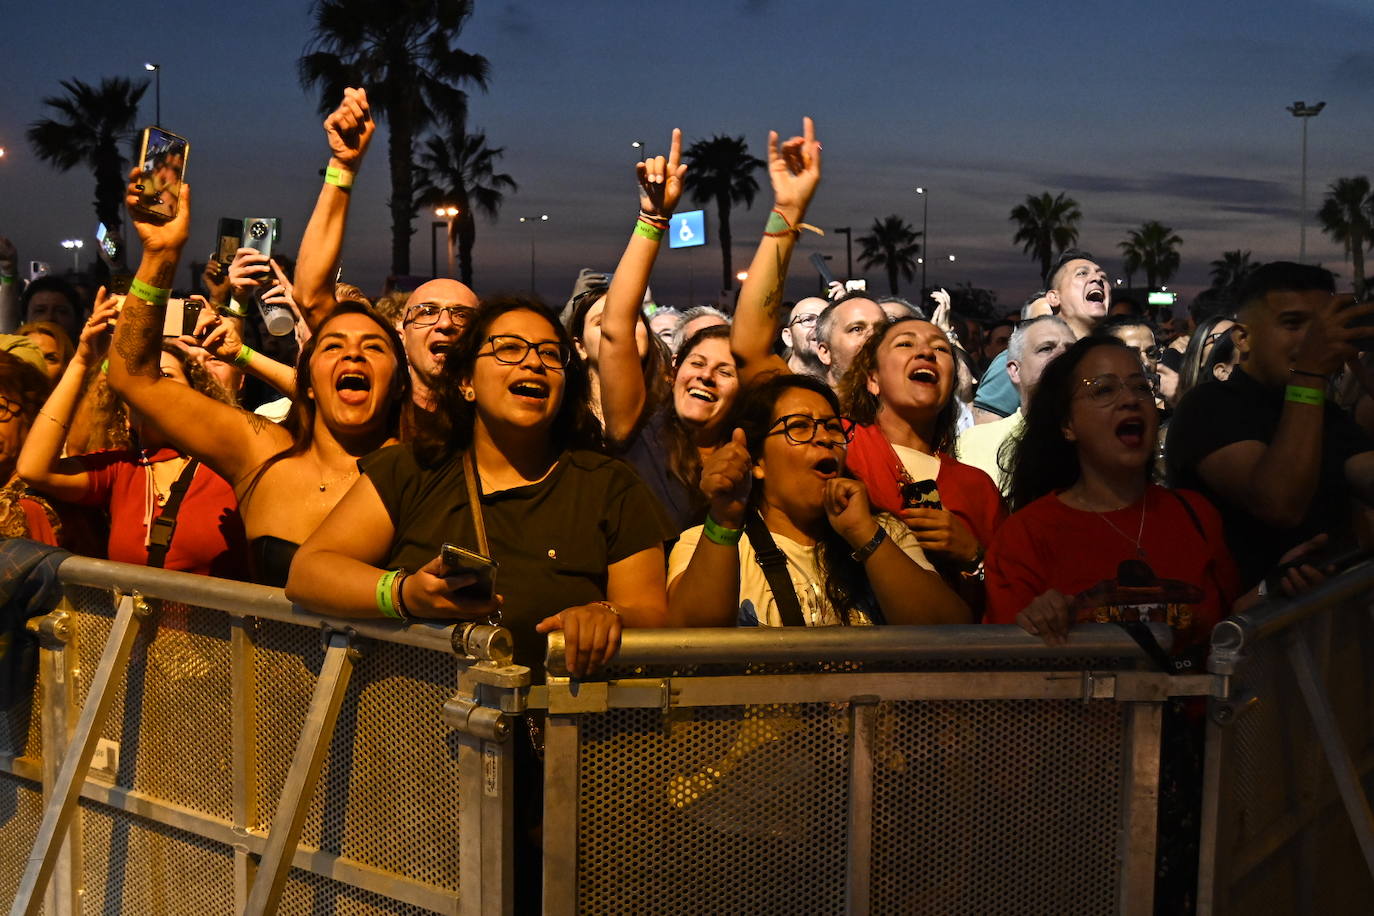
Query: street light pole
pixel 1306 113
pixel 434 248
pixel 156 70
pixel 925 237
pixel 848 251
pixel 449 213
pixel 74 245
pixel 541 218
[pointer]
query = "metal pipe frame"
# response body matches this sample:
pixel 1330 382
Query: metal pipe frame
pixel 888 643
pixel 303 775
pixel 56 664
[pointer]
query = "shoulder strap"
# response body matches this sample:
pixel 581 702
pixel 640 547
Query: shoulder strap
pixel 1192 513
pixel 1166 663
pixel 475 501
pixel 773 562
pixel 165 525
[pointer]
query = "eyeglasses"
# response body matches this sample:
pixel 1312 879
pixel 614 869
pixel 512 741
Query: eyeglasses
pixel 1213 338
pixel 1105 390
pixel 803 319
pixel 511 350
pixel 9 409
pixel 800 428
pixel 426 314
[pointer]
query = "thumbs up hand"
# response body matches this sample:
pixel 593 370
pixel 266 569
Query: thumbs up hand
pixel 726 479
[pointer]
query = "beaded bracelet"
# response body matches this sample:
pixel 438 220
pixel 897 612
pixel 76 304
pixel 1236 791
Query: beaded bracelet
pixel 398 595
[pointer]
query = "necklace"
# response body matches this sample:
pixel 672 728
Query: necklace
pixel 327 482
pixel 1140 532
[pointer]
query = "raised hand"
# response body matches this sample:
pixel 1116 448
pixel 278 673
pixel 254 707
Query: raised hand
pixel 9 258
pixel 219 336
pixel 726 478
pixel 248 273
pixel 95 334
pixel 1331 336
pixel 794 170
pixel 847 509
pixel 158 238
pixel 349 129
pixel 940 317
pixel 215 279
pixel 660 180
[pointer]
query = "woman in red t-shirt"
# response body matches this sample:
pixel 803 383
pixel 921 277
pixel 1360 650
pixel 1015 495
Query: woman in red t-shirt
pixel 1090 538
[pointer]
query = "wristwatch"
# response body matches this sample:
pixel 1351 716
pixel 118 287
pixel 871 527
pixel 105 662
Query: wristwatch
pixel 866 551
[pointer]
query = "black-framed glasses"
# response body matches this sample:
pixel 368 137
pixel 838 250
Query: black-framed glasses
pixel 1211 339
pixel 1106 390
pixel 511 350
pixel 801 428
pixel 9 408
pixel 804 319
pixel 426 314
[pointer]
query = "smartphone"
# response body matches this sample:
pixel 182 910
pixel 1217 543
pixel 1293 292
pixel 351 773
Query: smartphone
pixel 1364 344
pixel 230 237
pixel 260 233
pixel 460 562
pixel 162 166
pixel 822 268
pixel 921 494
pixel 38 269
pixel 111 246
pixel 180 318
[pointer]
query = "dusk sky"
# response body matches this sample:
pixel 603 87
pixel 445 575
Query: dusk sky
pixel 1169 110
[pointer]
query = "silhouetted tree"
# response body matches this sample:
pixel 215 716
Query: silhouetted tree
pixel 892 245
pixel 1347 215
pixel 1152 248
pixel 460 169
pixel 1046 226
pixel 721 169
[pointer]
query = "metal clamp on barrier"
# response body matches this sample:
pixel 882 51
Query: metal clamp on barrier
pixel 492 688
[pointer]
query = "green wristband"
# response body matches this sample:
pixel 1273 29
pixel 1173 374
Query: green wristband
pixel 244 356
pixel 645 230
pixel 778 225
pixel 148 293
pixel 1301 394
pixel 339 178
pixel 6 279
pixel 719 534
pixel 385 603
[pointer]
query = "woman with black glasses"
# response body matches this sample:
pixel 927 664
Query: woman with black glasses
pixel 789 540
pixel 576 538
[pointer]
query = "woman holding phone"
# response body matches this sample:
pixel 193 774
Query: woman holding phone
pixel 576 538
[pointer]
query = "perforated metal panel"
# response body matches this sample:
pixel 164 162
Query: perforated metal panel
pixel 21 811
pixel 306 892
pixel 388 792
pixel 131 865
pixel 714 811
pixel 997 807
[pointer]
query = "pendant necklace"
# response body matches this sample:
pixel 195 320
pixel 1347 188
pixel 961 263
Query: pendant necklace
pixel 1140 533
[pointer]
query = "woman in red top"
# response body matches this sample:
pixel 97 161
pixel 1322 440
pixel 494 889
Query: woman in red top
pixel 1090 538
pixel 136 484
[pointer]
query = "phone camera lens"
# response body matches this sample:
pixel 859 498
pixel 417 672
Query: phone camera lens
pixel 258 230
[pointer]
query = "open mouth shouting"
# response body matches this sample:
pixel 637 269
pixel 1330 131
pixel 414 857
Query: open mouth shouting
pixel 530 390
pixel 1131 432
pixel 827 467
pixel 1095 291
pixel 924 375
pixel 353 387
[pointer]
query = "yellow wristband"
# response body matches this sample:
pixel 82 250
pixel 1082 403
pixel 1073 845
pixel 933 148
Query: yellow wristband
pixel 1301 394
pixel 340 178
pixel 149 293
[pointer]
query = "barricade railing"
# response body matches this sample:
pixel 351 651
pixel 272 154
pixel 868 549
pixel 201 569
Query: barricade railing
pixel 1286 821
pixel 196 745
pixel 865 770
pixel 201 746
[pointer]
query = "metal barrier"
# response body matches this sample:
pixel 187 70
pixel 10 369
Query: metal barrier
pixel 1287 825
pixel 924 770
pixel 196 745
pixel 233 754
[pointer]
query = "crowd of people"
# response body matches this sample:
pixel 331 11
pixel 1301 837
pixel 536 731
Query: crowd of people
pixel 848 459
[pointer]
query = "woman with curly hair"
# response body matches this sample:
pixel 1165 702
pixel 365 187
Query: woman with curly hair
pixel 23 514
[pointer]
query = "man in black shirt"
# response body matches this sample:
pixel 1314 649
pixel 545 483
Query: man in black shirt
pixel 1280 462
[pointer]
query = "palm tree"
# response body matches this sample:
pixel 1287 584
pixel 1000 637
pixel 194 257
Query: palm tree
pixel 1152 248
pixel 721 169
pixel 1231 269
pixel 402 52
pixel 1048 225
pixel 94 127
pixel 891 244
pixel 1347 215
pixel 460 169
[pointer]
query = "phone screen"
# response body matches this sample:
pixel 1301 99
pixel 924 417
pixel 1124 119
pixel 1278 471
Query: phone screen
pixel 163 166
pixel 109 244
pixel 230 237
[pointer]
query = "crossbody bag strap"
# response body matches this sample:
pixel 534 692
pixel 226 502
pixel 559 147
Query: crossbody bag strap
pixel 475 501
pixel 773 562
pixel 165 525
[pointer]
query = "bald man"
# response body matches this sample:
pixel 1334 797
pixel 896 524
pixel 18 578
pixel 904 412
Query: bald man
pixel 433 318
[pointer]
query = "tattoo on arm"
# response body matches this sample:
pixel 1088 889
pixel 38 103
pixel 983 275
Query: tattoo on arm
pixel 772 300
pixel 138 334
pixel 256 421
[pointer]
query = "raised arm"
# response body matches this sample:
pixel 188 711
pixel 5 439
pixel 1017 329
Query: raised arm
pixel 349 131
pixel 622 380
pixel 9 286
pixel 41 464
pixel 232 442
pixel 794 169
pixel 221 336
pixel 706 593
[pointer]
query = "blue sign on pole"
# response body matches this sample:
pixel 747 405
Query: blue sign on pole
pixel 687 230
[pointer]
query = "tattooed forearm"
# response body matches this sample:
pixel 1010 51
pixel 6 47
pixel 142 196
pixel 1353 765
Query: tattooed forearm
pixel 772 301
pixel 138 333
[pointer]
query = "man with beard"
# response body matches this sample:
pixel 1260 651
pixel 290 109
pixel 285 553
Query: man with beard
pixel 841 331
pixel 799 337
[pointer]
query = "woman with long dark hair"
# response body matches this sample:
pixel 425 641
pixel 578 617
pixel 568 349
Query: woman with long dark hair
pixel 778 498
pixel 351 385
pixel 575 536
